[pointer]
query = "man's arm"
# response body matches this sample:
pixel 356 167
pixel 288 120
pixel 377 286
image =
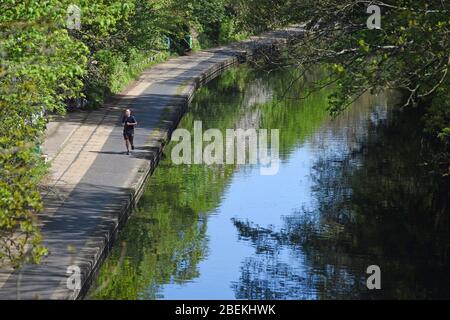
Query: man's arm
pixel 134 123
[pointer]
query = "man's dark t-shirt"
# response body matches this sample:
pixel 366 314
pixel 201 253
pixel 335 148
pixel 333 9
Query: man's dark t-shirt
pixel 127 128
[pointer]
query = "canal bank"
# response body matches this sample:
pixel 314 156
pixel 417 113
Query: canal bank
pixel 93 187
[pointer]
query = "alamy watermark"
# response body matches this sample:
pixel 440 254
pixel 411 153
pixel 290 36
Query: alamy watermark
pixel 374 280
pixel 374 20
pixel 238 145
pixel 73 281
pixel 73 21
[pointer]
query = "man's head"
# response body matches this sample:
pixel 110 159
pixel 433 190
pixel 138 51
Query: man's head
pixel 127 112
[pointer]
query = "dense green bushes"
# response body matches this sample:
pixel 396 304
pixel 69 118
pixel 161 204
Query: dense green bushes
pixel 41 67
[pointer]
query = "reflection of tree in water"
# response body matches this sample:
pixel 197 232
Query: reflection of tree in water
pixel 376 205
pixel 311 271
pixel 262 279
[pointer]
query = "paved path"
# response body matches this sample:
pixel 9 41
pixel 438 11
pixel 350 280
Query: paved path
pixel 92 185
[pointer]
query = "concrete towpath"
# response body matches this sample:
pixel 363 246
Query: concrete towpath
pixel 93 185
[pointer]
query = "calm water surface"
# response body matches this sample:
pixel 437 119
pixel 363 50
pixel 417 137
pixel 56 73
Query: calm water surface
pixel 350 192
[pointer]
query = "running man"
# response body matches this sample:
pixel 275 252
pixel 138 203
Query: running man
pixel 129 122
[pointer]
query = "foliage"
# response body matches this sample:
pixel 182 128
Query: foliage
pixel 410 52
pixel 41 67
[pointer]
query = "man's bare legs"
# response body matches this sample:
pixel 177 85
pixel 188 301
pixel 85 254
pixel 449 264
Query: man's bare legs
pixel 131 141
pixel 127 145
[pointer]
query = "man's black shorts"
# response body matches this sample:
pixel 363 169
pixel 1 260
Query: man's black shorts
pixel 128 135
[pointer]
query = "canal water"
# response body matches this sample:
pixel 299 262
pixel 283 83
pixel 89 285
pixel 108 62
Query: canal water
pixel 350 192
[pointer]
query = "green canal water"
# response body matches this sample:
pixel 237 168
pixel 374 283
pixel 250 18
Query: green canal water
pixel 350 192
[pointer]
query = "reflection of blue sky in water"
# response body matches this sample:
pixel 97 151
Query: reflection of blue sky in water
pixel 250 196
pixel 264 202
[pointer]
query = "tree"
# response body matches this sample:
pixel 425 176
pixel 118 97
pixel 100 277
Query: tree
pixel 41 68
pixel 409 52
